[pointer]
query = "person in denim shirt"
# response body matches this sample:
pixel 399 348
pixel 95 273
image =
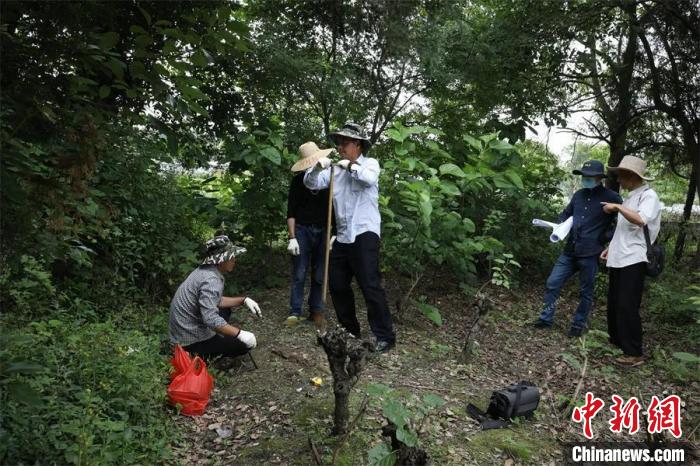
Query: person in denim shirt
pixel 591 229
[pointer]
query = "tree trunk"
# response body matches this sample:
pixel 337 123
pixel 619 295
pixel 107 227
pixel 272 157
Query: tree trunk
pixel 347 357
pixel 687 210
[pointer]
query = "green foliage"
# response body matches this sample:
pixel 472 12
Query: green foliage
pixel 431 312
pixel 29 288
pixel 408 417
pixel 429 197
pixel 93 394
pixel 503 270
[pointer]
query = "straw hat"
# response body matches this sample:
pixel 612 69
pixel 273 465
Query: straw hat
pixel 309 154
pixel 632 164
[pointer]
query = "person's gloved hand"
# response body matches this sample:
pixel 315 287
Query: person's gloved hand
pixel 344 164
pixel 293 247
pixel 323 163
pixel 253 306
pixel 330 244
pixel 247 338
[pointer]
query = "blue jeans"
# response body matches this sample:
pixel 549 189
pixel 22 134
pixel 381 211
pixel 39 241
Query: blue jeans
pixel 563 269
pixel 312 247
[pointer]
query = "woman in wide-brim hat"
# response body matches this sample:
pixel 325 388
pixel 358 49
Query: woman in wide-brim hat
pixel 627 257
pixel 309 154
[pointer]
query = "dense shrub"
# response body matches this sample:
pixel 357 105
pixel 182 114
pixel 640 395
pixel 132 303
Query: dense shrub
pixel 82 393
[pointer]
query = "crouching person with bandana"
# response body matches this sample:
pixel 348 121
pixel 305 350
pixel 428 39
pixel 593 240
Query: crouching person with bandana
pixel 199 312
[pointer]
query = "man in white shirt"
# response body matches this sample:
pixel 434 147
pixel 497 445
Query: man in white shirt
pixel 356 249
pixel 627 257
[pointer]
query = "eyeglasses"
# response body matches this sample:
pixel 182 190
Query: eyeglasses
pixel 345 142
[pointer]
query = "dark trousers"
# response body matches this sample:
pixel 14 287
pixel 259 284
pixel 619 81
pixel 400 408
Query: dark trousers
pixel 218 345
pixel 360 260
pixel 626 285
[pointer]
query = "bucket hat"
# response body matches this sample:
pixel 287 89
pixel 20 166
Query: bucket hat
pixel 220 249
pixel 632 164
pixel 309 154
pixel 353 131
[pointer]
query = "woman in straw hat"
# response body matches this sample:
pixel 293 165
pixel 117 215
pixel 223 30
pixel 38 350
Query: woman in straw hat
pixel 199 312
pixel 306 224
pixel 627 256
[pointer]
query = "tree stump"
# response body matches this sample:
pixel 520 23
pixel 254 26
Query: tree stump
pixel 405 455
pixel 347 356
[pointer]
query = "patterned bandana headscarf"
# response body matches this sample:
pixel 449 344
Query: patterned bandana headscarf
pixel 220 249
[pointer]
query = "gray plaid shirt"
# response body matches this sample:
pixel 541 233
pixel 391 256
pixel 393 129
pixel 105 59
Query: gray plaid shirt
pixel 194 310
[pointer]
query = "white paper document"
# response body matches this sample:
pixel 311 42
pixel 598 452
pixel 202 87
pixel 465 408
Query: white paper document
pixel 543 223
pixel 559 231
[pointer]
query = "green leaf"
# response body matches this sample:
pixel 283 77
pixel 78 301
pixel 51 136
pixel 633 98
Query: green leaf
pixel 394 134
pixel 108 40
pixel 686 357
pixel 378 389
pixel 449 188
pixel 475 143
pixel 405 435
pixel 433 401
pixel 515 179
pixel 145 15
pixel 104 91
pixel 431 312
pixel 469 225
pixel 395 412
pixel 381 455
pixel 272 154
pixel 451 169
pixel 500 145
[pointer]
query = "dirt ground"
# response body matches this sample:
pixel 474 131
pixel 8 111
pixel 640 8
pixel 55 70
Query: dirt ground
pixel 272 414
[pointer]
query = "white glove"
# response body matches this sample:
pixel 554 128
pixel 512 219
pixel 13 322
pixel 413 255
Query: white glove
pixel 344 164
pixel 293 247
pixel 323 163
pixel 330 244
pixel 253 306
pixel 247 338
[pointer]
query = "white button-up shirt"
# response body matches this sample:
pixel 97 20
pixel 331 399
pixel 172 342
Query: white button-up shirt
pixel 355 197
pixel 628 245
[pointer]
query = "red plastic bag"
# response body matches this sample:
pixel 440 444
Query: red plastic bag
pixel 181 361
pixel 191 388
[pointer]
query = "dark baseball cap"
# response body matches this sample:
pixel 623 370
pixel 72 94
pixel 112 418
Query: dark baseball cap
pixel 591 168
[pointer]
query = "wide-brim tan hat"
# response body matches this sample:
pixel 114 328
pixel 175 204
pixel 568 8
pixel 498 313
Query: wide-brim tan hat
pixel 309 154
pixel 632 164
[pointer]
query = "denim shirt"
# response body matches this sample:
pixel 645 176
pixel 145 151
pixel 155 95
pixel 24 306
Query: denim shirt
pixel 355 197
pixel 592 227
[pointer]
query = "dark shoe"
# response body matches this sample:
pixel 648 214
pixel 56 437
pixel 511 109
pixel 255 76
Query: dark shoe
pixel 575 332
pixel 543 324
pixel 383 346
